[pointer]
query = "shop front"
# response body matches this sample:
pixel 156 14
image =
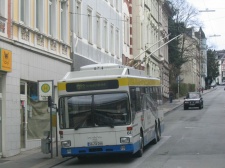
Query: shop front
pixel 23 118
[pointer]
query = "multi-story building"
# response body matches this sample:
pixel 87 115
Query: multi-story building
pixel 190 69
pixel 35 45
pixel 221 58
pixel 194 71
pixel 149 36
pixel 96 28
pixel 164 63
pixel 127 29
pixel 42 40
pixel 203 57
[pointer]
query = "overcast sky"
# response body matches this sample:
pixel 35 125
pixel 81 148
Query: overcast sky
pixel 214 22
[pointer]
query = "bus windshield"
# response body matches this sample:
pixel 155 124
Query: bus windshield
pixel 94 110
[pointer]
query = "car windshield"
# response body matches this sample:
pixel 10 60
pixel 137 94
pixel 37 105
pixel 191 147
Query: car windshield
pixel 193 95
pixel 94 110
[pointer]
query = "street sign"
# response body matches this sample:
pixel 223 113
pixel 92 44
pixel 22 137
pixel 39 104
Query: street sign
pixel 5 60
pixel 45 89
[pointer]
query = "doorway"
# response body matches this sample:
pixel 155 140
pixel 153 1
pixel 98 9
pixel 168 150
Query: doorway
pixel 23 115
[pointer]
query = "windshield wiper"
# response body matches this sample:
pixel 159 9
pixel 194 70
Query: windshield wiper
pixel 77 127
pixel 104 120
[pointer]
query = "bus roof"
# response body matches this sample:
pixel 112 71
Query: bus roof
pixel 100 71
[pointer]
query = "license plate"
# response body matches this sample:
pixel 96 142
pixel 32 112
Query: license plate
pixel 95 143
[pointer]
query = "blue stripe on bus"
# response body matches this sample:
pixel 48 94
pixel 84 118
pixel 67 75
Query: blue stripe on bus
pixel 109 149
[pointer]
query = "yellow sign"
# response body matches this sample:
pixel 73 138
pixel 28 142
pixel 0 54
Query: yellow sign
pixel 6 60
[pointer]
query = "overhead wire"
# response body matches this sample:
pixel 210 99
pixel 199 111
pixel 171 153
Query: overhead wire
pixel 210 19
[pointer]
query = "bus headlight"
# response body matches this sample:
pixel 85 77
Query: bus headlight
pixel 66 144
pixel 124 140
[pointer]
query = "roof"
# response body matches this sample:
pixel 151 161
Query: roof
pixel 98 71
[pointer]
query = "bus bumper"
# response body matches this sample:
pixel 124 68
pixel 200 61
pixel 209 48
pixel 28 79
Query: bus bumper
pixel 111 149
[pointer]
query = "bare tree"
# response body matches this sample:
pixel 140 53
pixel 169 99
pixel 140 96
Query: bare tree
pixel 185 13
pixel 184 21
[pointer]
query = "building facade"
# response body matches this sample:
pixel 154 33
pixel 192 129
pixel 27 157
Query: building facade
pixel 194 71
pixel 35 38
pixel 96 28
pixel 203 57
pixel 42 40
pixel 190 69
pixel 149 39
pixel 221 59
pixel 127 29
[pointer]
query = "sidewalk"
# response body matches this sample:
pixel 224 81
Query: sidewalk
pixel 36 159
pixel 32 159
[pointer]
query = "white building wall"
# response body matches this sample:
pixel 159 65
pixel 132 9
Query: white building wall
pixel 126 31
pixel 82 47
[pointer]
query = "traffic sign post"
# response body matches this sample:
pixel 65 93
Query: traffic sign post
pixel 45 93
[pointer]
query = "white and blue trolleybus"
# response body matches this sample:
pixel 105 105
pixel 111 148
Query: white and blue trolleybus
pixel 108 109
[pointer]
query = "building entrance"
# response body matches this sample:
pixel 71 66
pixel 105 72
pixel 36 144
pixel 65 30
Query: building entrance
pixel 23 115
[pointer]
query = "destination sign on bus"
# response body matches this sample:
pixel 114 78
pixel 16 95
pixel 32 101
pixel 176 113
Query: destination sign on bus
pixel 95 85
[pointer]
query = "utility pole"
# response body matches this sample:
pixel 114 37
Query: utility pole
pixel 200 70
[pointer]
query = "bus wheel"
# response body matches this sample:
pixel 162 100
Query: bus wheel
pixel 141 150
pixel 155 140
pixel 159 131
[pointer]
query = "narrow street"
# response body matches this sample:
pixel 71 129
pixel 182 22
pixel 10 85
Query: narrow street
pixel 192 139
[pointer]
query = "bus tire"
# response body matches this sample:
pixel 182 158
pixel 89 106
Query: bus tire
pixel 155 140
pixel 141 150
pixel 159 131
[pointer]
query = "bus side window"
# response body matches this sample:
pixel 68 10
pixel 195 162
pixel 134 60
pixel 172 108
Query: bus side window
pixel 144 105
pixel 138 100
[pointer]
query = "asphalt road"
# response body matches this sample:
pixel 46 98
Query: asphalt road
pixel 192 139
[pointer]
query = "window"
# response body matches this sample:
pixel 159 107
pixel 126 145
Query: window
pixel 142 36
pixel 78 19
pixel 89 25
pixel 22 88
pixel 112 40
pixel 148 36
pixel 111 2
pixel 3 8
pixel 39 15
pixel 125 29
pixel 117 43
pixel 64 22
pixel 135 99
pixel 3 16
pixel 38 117
pixel 98 33
pixel 117 5
pixel 24 12
pixel 128 30
pixel 52 18
pixel 105 36
pixel 99 110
